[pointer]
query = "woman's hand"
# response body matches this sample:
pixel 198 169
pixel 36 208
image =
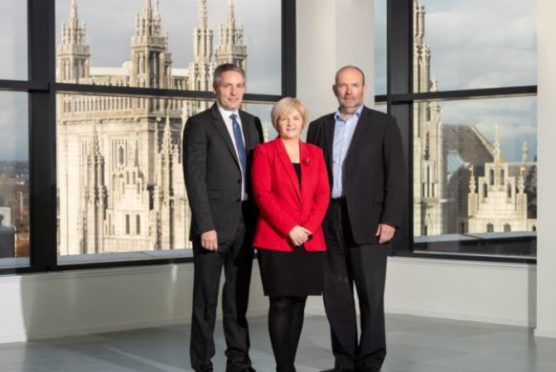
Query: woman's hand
pixel 299 235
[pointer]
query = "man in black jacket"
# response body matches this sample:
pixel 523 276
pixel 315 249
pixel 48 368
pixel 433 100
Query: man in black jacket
pixel 216 149
pixel 364 155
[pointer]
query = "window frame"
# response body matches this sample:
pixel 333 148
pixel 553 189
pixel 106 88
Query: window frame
pixel 399 99
pixel 42 88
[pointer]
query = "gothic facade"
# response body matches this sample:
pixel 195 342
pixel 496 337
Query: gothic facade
pixel 462 184
pixel 120 177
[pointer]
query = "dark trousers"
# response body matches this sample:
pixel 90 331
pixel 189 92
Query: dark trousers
pixel 236 257
pixel 285 321
pixel 365 265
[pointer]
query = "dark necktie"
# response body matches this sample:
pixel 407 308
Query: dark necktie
pixel 240 146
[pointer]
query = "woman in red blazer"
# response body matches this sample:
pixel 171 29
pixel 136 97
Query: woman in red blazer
pixel 291 189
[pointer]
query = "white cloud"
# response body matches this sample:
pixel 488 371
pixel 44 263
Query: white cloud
pixel 478 44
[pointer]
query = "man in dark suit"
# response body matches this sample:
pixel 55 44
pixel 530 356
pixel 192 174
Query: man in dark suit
pixel 364 156
pixel 216 150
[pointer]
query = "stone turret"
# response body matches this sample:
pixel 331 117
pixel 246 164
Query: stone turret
pixel 73 52
pixel 231 48
pixel 151 62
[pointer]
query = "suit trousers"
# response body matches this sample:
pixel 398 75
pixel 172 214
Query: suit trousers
pixel 236 257
pixel 365 265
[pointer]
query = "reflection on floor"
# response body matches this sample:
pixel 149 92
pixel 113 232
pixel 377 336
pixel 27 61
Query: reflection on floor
pixel 415 344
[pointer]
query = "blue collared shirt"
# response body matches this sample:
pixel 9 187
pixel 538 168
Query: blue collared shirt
pixel 343 133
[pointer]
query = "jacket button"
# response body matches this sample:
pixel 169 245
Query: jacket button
pixel 239 181
pixel 238 200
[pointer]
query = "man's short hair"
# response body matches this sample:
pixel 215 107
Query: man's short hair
pixel 225 67
pixel 347 67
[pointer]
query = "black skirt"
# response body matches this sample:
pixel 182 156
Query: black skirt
pixel 297 273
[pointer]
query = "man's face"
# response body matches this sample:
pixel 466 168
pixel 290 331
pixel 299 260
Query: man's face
pixel 350 90
pixel 229 90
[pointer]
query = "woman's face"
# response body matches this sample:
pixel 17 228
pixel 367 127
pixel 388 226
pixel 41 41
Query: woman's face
pixel 290 125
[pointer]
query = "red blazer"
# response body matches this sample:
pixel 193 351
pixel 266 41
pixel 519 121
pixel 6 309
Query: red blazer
pixel 282 205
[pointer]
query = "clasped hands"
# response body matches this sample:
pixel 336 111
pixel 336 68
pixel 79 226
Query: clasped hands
pixel 299 235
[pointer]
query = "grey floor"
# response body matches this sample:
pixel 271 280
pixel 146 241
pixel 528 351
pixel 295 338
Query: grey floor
pixel 415 344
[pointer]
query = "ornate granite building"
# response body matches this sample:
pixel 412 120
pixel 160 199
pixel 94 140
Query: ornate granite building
pixel 120 181
pixel 462 183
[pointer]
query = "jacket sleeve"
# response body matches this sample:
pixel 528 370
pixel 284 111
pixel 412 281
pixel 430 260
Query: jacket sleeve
pixel 394 172
pixel 321 197
pixel 269 206
pixel 194 170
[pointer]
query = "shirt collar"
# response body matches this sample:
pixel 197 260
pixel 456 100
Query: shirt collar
pixel 226 113
pixel 357 113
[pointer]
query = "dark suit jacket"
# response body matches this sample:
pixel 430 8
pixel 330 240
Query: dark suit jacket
pixel 212 171
pixel 374 171
pixel 282 203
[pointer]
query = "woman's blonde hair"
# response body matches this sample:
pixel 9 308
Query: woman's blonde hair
pixel 285 107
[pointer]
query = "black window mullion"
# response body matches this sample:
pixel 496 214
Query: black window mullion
pixel 399 81
pixel 289 80
pixel 42 133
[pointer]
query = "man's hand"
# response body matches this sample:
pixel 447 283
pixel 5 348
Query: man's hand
pixel 299 235
pixel 209 241
pixel 385 233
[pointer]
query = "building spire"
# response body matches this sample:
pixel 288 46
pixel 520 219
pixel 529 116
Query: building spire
pixel 167 137
pixel 73 52
pixel 96 141
pixel 147 7
pixel 157 9
pixel 73 13
pixel 202 14
pixel 524 153
pixel 231 48
pixel 497 152
pixel 231 13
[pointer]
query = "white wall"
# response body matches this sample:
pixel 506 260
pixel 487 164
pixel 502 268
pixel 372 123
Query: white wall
pixel 89 301
pixel 332 34
pixel 466 290
pixel 546 202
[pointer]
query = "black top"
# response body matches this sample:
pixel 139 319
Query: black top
pixel 297 168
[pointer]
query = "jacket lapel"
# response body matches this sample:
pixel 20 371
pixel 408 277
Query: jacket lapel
pixel 306 163
pixel 220 126
pixel 245 122
pixel 287 165
pixel 329 140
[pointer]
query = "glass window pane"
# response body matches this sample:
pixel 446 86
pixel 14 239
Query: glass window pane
pixel 474 44
pixel 120 176
pixel 174 44
pixel 475 170
pixel 262 111
pixel 13 40
pixel 14 180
